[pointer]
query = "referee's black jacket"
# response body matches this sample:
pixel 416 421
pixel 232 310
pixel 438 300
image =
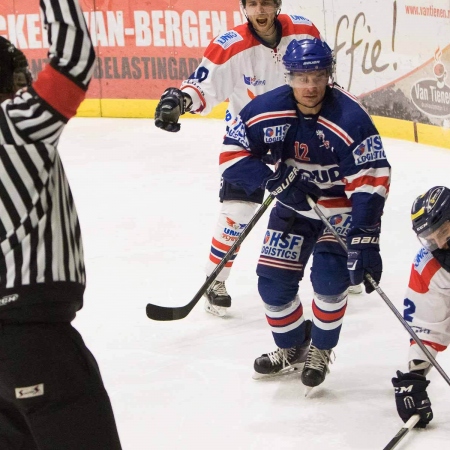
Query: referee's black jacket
pixel 42 273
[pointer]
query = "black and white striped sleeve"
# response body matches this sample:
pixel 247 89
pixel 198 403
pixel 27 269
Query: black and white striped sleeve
pixel 40 113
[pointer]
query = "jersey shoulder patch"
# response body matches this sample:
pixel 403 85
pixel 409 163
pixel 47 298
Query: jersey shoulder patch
pixel 421 259
pixel 227 39
pixel 423 270
pixel 299 20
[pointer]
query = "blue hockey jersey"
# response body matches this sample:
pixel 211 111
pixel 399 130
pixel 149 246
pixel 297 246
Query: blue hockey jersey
pixel 340 148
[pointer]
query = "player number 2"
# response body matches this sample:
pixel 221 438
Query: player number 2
pixel 410 309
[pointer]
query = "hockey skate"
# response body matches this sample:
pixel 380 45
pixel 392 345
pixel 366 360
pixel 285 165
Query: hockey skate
pixel 316 367
pixel 217 299
pixel 355 289
pixel 283 360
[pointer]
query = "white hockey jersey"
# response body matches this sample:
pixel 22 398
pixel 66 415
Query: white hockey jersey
pixel 237 66
pixel 427 304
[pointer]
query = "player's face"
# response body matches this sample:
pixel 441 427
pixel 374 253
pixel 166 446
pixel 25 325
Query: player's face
pixel 261 14
pixel 309 89
pixel 439 238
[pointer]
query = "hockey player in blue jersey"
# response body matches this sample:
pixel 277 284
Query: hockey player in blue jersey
pixel 327 147
pixel 237 65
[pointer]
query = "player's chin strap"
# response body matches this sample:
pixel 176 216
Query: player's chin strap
pixel 376 287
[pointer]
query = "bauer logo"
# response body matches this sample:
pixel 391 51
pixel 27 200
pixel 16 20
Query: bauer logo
pixel 226 40
pixel 299 19
pixel 275 134
pixel 287 249
pixel 369 150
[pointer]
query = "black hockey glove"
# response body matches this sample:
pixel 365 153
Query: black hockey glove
pixel 363 255
pixel 290 187
pixel 171 106
pixel 6 66
pixel 19 59
pixel 22 74
pixel 411 397
pixel 14 71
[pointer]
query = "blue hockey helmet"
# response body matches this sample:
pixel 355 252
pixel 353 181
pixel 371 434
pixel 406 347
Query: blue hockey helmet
pixel 306 55
pixel 430 216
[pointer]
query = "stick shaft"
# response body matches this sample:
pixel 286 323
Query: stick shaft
pixel 402 432
pixel 166 313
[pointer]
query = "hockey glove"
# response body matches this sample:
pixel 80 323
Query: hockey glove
pixel 6 66
pixel 290 187
pixel 22 74
pixel 363 255
pixel 171 106
pixel 411 397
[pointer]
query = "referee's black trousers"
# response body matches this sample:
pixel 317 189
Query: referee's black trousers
pixel 52 395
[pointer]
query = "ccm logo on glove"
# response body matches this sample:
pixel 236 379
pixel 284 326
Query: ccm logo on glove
pixel 403 389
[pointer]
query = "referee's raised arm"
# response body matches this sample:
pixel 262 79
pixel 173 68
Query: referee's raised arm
pixel 51 392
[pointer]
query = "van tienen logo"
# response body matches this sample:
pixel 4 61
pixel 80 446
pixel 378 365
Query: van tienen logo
pixel 431 95
pixel 253 81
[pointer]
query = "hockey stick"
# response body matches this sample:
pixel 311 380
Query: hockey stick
pixel 166 313
pixel 375 285
pixel 402 432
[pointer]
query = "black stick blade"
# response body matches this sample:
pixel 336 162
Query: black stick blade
pixel 165 313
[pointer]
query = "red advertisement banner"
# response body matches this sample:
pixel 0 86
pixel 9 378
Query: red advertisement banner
pixel 143 46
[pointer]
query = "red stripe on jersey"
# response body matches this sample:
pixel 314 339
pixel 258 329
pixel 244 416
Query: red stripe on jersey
pixel 229 156
pixel 433 345
pixel 289 28
pixel 286 320
pixel 336 130
pixel 271 115
pixel 328 316
pixel 420 282
pixel 58 91
pixel 367 180
pixel 340 202
pixel 218 55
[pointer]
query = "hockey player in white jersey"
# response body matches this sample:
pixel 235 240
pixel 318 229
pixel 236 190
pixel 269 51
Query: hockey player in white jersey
pixel 238 65
pixel 427 301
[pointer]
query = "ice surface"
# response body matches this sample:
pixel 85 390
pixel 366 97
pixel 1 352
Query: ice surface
pixel 148 204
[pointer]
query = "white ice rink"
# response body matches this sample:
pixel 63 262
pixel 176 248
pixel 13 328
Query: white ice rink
pixel 148 203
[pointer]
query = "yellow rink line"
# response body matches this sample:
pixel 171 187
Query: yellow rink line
pixel 394 128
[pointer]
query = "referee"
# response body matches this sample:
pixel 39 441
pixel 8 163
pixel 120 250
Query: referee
pixel 52 395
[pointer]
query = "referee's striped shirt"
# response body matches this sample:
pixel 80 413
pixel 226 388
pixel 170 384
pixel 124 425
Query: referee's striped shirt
pixel 42 274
